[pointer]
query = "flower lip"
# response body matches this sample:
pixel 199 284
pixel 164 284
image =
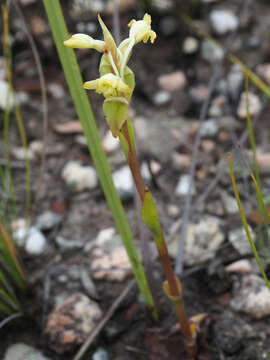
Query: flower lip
pixel 83 41
pixel 141 30
pixel 109 85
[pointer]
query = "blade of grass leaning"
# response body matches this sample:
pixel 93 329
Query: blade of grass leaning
pixel 5 309
pixel 6 50
pixel 6 53
pixel 84 111
pixel 234 59
pixel 244 221
pixel 255 162
pixel 257 173
pixel 11 257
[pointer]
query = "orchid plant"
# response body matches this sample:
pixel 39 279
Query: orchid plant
pixel 116 83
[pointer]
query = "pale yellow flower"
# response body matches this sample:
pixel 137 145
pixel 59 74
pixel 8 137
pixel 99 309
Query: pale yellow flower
pixel 83 41
pixel 109 85
pixel 141 30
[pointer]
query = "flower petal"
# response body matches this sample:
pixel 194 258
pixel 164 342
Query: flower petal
pixel 141 30
pixel 110 86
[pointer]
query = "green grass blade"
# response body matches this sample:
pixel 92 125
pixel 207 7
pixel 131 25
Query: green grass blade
pixel 244 221
pixel 5 309
pixel 84 111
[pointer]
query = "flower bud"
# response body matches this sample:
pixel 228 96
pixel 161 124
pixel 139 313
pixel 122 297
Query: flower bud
pixel 83 41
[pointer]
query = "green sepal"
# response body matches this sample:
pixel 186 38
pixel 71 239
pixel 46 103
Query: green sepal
pixel 109 40
pixel 129 79
pixel 116 114
pixel 104 65
pixel 150 218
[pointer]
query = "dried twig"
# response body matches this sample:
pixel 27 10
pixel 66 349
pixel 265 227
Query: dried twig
pixel 10 318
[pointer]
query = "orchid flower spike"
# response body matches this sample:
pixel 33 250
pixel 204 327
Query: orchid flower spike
pixel 109 85
pixel 83 41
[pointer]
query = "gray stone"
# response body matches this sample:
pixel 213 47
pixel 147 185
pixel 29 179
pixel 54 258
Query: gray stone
pixel 31 239
pixel 229 203
pixel 239 240
pixel 6 98
pixel 100 354
pixel 209 128
pixel 253 297
pixel 67 244
pixel 183 185
pixel 48 220
pixel 223 21
pixel 160 137
pixel 190 45
pixel 254 104
pixel 198 93
pixel 235 80
pixel 21 351
pixel 162 97
pixel 202 241
pixel 162 5
pixel 70 324
pixel 123 182
pixel 211 52
pixel 110 143
pixel 263 70
pixel 79 177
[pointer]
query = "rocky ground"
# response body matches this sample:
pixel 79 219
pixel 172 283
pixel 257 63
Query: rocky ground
pixel 73 256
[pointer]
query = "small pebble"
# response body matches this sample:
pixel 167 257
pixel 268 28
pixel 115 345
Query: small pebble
pixel 100 354
pixel 263 70
pixel 110 143
pixel 198 93
pixel 209 128
pixel 235 81
pixel 229 203
pixel 240 242
pixel 181 161
pixel 6 98
pixel 182 186
pixel 211 52
pixel 79 177
pixel 190 45
pixel 162 5
pixel 56 90
pixel 173 211
pixel 123 182
pixel 70 324
pixel 239 267
pixel 162 98
pixel 253 297
pixel 21 351
pixel 35 242
pixel 254 104
pixel 223 21
pixel 48 220
pixel 208 146
pixel 173 81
